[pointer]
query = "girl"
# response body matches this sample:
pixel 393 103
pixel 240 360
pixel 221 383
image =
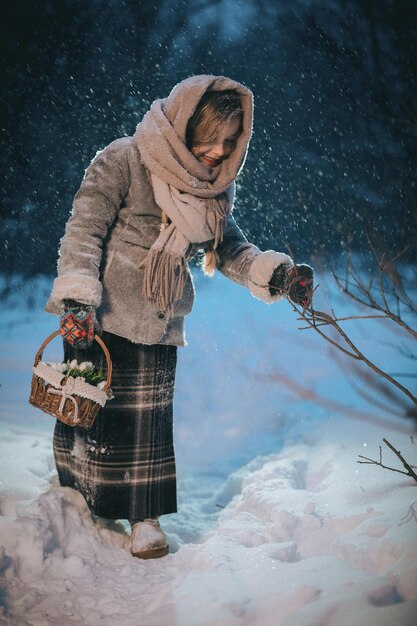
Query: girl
pixel 146 206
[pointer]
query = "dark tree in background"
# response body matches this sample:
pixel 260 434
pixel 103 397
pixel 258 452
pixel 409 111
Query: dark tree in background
pixel 333 156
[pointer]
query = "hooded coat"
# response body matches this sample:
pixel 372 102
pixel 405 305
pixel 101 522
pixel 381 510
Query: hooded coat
pixel 115 220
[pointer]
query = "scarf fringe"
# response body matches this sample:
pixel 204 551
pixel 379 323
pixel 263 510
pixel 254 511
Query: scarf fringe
pixel 166 272
pixel 165 277
pixel 221 211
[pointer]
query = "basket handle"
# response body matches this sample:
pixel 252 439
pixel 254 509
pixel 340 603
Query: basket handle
pixel 101 343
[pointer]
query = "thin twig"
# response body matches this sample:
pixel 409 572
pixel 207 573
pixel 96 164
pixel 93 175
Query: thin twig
pixel 369 461
pixel 369 301
pixel 402 459
pixel 409 470
pixel 316 318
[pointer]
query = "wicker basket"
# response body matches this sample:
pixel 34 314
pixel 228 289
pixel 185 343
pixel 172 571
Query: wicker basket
pixel 71 400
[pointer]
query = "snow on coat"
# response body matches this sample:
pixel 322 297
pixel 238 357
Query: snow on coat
pixel 114 222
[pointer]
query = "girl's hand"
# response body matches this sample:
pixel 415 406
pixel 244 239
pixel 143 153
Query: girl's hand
pixel 300 285
pixel 295 281
pixel 78 324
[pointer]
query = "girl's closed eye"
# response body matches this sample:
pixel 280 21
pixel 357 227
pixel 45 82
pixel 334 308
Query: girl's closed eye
pixel 213 140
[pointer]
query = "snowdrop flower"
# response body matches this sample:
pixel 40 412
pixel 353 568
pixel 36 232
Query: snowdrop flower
pixel 87 365
pixel 73 364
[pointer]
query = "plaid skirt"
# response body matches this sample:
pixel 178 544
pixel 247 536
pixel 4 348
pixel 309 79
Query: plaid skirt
pixel 124 466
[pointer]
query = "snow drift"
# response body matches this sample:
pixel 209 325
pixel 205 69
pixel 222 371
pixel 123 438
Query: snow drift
pixel 277 523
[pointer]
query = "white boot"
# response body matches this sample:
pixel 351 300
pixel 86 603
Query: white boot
pixel 148 540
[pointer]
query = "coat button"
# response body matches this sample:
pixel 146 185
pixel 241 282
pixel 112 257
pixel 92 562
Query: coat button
pixel 161 315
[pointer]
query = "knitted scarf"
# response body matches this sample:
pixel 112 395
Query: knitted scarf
pixel 196 198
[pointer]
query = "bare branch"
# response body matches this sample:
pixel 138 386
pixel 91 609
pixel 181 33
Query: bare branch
pixel 324 320
pixel 315 319
pixel 366 298
pixel 368 461
pixel 409 470
pixel 402 459
pixel 381 285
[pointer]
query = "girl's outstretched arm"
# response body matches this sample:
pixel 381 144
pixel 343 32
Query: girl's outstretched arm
pixel 245 264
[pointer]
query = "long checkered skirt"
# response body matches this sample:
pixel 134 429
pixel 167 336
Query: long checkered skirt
pixel 124 466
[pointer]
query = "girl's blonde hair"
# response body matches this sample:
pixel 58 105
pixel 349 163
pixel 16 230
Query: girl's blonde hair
pixel 214 108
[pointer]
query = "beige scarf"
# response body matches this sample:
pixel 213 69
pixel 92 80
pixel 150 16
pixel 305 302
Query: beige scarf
pixel 197 199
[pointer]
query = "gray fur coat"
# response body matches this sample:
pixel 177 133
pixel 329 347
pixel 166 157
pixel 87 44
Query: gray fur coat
pixel 114 222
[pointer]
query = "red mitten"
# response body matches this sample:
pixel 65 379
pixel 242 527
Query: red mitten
pixel 78 324
pixel 295 281
pixel 300 285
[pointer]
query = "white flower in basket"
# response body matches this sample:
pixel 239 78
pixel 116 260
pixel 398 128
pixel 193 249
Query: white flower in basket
pixel 85 366
pixel 72 392
pixel 74 384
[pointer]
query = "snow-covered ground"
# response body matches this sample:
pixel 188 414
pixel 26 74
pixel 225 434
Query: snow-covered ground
pixel 277 525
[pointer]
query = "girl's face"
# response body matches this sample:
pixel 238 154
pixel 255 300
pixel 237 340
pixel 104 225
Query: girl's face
pixel 213 151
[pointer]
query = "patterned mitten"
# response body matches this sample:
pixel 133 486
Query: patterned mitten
pixel 295 281
pixel 78 324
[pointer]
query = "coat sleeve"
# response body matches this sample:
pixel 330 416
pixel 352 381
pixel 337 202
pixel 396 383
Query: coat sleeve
pixel 246 265
pixel 96 205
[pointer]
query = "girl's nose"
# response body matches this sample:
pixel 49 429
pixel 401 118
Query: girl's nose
pixel 218 149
